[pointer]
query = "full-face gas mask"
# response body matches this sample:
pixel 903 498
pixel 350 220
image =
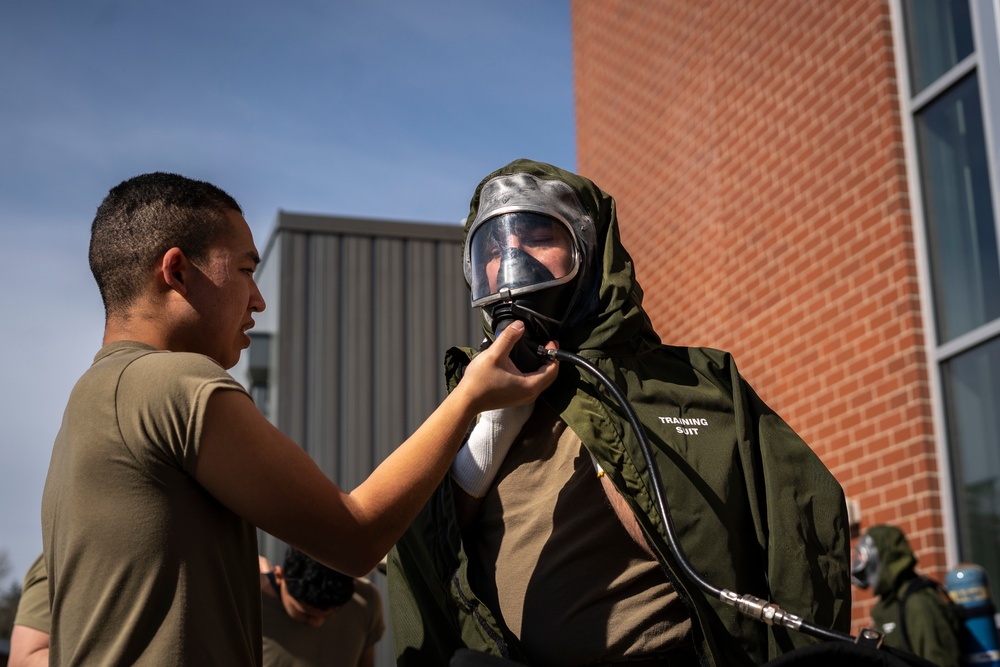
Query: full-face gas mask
pixel 866 567
pixel 523 264
pixel 525 254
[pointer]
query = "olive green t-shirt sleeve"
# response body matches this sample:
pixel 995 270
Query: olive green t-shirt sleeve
pixel 33 609
pixel 161 404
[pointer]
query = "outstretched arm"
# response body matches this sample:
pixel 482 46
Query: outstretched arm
pixel 262 475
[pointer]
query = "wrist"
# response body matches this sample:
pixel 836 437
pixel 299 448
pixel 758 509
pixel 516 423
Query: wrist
pixel 466 402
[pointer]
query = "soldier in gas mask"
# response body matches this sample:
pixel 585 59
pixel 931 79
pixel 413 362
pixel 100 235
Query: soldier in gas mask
pixel 910 610
pixel 545 548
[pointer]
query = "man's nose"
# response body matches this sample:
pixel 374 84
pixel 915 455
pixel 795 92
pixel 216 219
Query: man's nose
pixel 257 300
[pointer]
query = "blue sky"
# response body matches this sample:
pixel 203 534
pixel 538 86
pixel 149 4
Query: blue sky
pixel 382 108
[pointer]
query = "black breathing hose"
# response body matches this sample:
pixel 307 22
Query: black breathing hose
pixel 748 605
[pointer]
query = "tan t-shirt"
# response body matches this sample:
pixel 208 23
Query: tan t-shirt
pixel 566 577
pixel 339 642
pixel 33 607
pixel 145 566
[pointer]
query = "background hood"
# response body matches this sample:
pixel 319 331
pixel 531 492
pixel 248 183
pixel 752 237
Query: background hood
pixel 897 558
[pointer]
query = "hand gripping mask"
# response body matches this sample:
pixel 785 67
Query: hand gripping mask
pixel 524 253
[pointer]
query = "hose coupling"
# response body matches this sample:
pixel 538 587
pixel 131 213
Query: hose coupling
pixel 761 610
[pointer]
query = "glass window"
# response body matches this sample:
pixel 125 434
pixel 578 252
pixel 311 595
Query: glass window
pixel 938 36
pixel 958 210
pixel 972 391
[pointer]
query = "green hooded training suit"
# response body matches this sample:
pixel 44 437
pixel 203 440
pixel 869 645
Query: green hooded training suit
pixel 756 510
pixel 931 626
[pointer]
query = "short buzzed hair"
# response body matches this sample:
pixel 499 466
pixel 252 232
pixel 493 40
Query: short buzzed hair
pixel 144 217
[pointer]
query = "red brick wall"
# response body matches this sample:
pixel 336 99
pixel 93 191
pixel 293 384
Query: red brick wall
pixel 756 154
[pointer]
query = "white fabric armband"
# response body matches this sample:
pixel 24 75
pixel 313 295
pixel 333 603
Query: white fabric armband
pixel 479 459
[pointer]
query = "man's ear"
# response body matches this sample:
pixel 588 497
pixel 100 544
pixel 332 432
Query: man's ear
pixel 279 576
pixel 175 270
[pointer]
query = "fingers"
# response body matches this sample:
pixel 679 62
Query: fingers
pixel 499 352
pixel 498 382
pixel 507 338
pixel 549 363
pixel 546 374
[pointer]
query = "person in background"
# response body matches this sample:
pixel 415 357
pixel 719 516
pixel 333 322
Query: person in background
pixel 545 547
pixel 29 641
pixel 163 467
pixel 912 615
pixel 318 617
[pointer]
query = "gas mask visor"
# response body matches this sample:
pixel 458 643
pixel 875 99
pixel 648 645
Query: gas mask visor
pixel 519 252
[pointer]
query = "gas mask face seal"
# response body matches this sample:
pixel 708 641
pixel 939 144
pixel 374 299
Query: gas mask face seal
pixel 522 265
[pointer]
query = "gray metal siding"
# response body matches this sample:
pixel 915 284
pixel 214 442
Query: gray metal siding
pixel 391 426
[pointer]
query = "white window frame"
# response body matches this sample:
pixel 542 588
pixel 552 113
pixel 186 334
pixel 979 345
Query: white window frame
pixel 985 62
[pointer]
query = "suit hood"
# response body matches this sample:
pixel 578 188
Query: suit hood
pixel 897 559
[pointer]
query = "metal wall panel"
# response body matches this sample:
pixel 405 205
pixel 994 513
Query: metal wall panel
pixel 391 427
pixel 323 338
pixel 292 289
pixel 357 287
